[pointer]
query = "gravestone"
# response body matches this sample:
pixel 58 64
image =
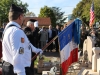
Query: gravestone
pixel 90 45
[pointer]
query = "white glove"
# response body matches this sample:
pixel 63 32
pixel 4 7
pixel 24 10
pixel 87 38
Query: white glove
pixel 40 50
pixel 22 73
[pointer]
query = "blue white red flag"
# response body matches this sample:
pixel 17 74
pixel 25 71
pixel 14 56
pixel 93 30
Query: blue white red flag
pixel 69 40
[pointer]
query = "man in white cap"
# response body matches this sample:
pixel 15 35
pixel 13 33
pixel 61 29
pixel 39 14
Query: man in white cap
pixel 36 34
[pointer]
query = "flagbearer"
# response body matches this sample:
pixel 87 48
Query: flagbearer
pixel 16 46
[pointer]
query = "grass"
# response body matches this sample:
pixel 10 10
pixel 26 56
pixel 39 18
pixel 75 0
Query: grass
pixel 45 59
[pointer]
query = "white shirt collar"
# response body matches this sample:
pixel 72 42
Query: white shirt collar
pixel 14 23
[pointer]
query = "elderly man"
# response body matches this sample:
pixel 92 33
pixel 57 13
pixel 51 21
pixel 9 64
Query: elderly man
pixel 29 32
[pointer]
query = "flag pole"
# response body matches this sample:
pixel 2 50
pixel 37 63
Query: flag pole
pixel 60 59
pixel 45 47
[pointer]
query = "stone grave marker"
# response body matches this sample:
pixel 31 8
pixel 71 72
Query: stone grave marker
pixel 90 45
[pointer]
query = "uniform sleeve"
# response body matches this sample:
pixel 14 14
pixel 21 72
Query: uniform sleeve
pixel 18 52
pixel 36 50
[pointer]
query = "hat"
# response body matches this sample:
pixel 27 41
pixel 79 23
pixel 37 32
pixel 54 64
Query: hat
pixel 15 8
pixel 32 20
pixel 35 22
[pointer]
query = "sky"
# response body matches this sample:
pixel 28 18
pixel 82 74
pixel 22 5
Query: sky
pixel 66 6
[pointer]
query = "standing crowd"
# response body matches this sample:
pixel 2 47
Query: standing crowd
pixel 94 33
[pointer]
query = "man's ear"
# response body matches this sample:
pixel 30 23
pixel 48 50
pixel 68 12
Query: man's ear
pixel 19 17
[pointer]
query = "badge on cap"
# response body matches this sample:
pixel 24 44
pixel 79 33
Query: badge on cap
pixel 21 50
pixel 22 40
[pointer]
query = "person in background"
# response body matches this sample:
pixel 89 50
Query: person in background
pixel 51 35
pixel 2 29
pixel 83 36
pixel 16 46
pixel 1 32
pixel 56 41
pixel 43 37
pixel 65 25
pixel 98 37
pixel 93 36
pixel 29 32
pixel 36 35
pixel 62 28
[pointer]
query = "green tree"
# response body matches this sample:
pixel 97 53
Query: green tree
pixel 82 11
pixel 48 12
pixel 5 6
pixel 30 14
pixel 58 15
pixel 54 13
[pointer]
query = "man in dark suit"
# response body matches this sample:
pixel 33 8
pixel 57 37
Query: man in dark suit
pixel 51 35
pixel 29 32
pixel 36 35
pixel 57 30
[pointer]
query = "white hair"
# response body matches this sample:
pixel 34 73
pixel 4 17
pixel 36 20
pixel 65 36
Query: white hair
pixel 29 23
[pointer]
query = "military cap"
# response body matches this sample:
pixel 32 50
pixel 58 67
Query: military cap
pixel 15 8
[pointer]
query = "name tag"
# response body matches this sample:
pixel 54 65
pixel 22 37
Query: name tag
pixel 21 50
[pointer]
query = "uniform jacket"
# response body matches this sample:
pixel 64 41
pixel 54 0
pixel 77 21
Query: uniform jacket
pixel 17 48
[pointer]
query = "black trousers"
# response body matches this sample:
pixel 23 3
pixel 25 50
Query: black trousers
pixel 32 67
pixel 50 47
pixel 57 45
pixel 28 71
pixel 7 69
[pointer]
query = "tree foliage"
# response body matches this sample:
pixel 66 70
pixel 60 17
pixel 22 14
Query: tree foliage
pixel 54 13
pixel 47 12
pixel 5 6
pixel 82 10
pixel 30 14
pixel 59 15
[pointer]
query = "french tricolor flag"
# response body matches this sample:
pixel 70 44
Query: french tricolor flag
pixel 69 40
